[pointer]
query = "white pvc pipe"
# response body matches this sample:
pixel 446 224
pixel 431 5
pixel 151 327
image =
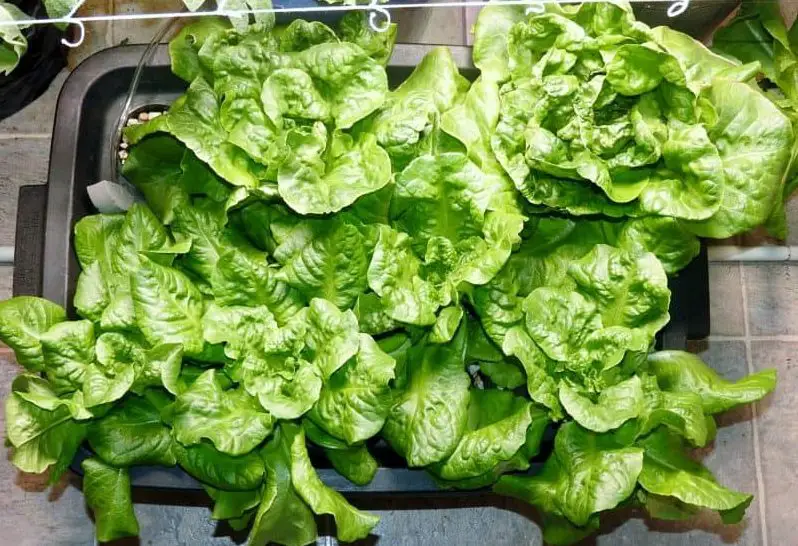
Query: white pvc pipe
pixel 6 255
pixel 767 253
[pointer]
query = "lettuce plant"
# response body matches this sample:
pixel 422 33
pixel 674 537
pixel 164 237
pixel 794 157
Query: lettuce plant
pixel 451 267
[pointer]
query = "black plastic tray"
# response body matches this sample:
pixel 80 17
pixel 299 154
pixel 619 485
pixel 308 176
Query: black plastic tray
pixel 88 108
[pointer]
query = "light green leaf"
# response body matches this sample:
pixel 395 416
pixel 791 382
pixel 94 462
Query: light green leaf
pixel 568 328
pixel 354 27
pixel 679 371
pixel 586 474
pixel 542 388
pixel 496 419
pixel 429 416
pixel 184 48
pixel 287 387
pixel 231 419
pixel 282 517
pixel 154 167
pixel 222 471
pixel 668 471
pixel 446 324
pixel 39 392
pixel 314 262
pixel 614 406
pixel 754 141
pixel 168 306
pixel 132 434
pixel 13 44
pixel 681 412
pixel 351 523
pixel 332 336
pixel 246 278
pixel 160 368
pixel 232 504
pixel 68 350
pixel 240 328
pixel 629 290
pixel 41 438
pixel 394 275
pixel 355 401
pixel 300 35
pixel 23 321
pixel 372 316
pixel 354 463
pixel 666 238
pixel 353 82
pixel 490 40
pixel 194 119
pixel 107 492
pixel 334 175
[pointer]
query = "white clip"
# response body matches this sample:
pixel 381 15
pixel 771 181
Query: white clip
pixel 81 34
pixel 678 7
pixel 375 14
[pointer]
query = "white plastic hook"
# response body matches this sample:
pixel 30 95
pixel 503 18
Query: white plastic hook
pixel 678 7
pixel 379 17
pixel 81 35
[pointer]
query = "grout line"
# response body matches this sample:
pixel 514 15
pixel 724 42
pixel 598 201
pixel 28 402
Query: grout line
pixel 790 338
pixel 15 136
pixel 760 480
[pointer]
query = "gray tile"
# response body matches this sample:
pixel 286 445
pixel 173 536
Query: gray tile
pixel 165 525
pixel 778 433
pixel 38 116
pixel 467 526
pixel 442 26
pixel 99 35
pixel 23 161
pixel 471 14
pixel 726 310
pixel 731 458
pixel 142 31
pixel 772 297
pixel 6 281
pixel 792 215
pixel 32 514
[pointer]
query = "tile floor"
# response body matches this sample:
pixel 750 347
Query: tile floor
pixel 754 325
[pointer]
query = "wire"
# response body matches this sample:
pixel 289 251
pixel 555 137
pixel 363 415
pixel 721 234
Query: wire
pixel 116 134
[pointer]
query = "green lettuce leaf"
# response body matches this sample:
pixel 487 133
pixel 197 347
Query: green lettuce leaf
pixel 41 438
pixel 219 470
pixel 351 523
pixel 498 419
pixel 586 474
pixel 356 400
pixel 682 372
pixel 132 434
pixel 168 306
pixel 231 419
pixel 326 173
pixel 282 517
pixel 23 321
pixel 314 262
pixel 68 350
pixel 429 416
pixel 107 492
pixel 669 472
